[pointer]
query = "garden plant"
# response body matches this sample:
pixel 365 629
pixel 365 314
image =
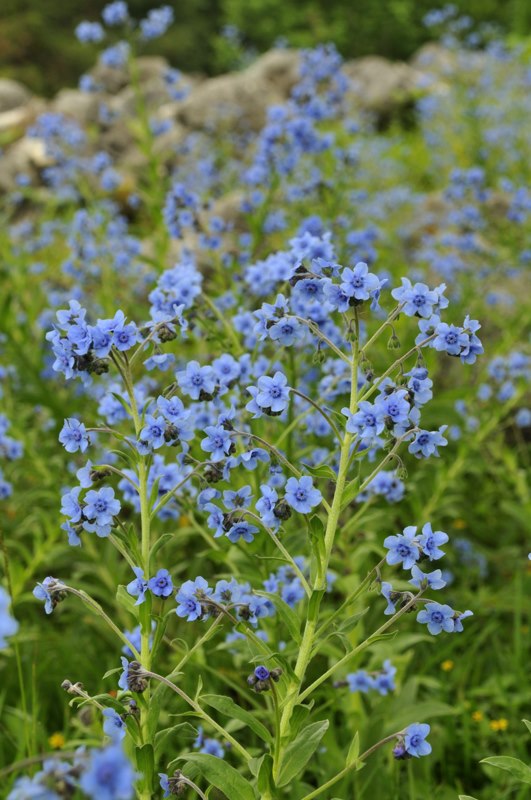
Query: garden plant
pixel 263 473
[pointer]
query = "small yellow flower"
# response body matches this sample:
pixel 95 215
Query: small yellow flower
pixel 477 716
pixel 447 665
pixel 460 524
pixel 56 741
pixel 499 724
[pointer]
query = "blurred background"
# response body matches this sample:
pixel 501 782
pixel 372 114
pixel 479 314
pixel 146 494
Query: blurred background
pixel 38 46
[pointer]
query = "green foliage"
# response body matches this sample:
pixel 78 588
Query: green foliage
pixel 38 47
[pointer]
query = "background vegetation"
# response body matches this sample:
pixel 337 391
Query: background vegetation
pixel 37 46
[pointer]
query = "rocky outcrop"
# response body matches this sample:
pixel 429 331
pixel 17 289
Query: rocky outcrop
pixel 12 94
pixel 236 102
pixel 241 99
pixel 383 88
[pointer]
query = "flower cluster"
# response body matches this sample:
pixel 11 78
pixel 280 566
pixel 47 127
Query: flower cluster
pixel 407 549
pixel 81 349
pixel 196 600
pixel 381 681
pixel 93 512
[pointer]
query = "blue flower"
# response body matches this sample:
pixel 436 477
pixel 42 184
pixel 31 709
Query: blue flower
pixel 138 587
pixel 286 331
pixel 429 542
pixel 218 442
pixel 391 596
pixel 189 599
pixel 239 499
pixel 450 338
pixel 273 393
pixel 101 506
pixel 301 495
pixel 417 300
pixel 266 506
pixel 367 423
pixel 393 405
pixel 161 585
pixel 114 726
pixel 403 548
pixel 46 591
pixel 360 681
pixel 415 740
pixel 437 617
pixel 8 625
pixel 431 580
pixel 153 432
pixel 458 626
pixel 109 775
pixel 209 746
pixel 156 23
pixel 115 13
pixel 89 32
pixel 359 283
pixel 164 784
pixel 384 681
pixel 123 680
pixel 250 458
pixel 292 592
pixel 426 443
pixel 262 673
pixel 73 436
pixel 420 385
pixel 70 505
pixel 197 381
pixel 241 530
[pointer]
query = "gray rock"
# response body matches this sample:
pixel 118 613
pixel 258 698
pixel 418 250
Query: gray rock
pixel 117 140
pixel 12 94
pixel 80 106
pixel 229 101
pixel 278 67
pixel 434 57
pixel 18 119
pixel 109 80
pixel 229 208
pixel 154 92
pixel 382 87
pixel 26 156
pixel 151 67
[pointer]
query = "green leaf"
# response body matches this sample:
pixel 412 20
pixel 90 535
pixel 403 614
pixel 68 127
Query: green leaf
pixel 517 768
pixel 349 492
pixel 112 672
pixel 265 775
pixel 145 762
pixel 221 775
pixel 184 727
pixel 227 706
pixel 350 623
pixel 422 712
pixel 466 797
pixel 299 752
pixel 288 616
pixel 527 724
pixel 156 547
pixel 126 601
pixel 321 471
pixel 354 750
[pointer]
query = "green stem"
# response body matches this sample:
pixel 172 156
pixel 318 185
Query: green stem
pixel 363 646
pixel 321 411
pixel 355 765
pixel 198 710
pixel 306 648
